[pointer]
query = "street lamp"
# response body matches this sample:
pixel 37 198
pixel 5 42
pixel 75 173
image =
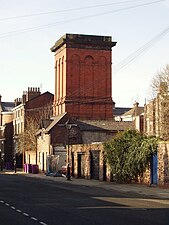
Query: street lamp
pixel 14 156
pixel 1 161
pixel 15 163
pixel 68 127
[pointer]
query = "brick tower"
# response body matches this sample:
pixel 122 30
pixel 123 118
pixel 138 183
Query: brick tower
pixel 83 76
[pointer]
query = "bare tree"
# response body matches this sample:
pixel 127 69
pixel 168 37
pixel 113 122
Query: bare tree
pixel 160 83
pixel 27 139
pixel 160 97
pixel 33 117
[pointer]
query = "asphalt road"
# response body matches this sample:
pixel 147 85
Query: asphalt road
pixel 30 201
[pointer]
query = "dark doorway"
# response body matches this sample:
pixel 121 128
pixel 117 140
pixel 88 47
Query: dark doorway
pixel 81 166
pixel 104 171
pixel 95 162
pixel 19 160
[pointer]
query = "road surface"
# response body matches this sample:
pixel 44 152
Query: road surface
pixel 30 201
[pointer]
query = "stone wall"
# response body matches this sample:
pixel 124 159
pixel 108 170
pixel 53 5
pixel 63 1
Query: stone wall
pixel 163 163
pixel 162 167
pixel 81 156
pixel 145 178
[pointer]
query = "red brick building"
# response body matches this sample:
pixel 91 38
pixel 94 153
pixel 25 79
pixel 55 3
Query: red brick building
pixel 83 80
pixel 32 105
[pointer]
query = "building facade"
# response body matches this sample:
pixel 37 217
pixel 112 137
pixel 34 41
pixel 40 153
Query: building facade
pixel 83 76
pixel 135 114
pixel 156 114
pixel 156 123
pixel 62 132
pixel 6 133
pixel 33 106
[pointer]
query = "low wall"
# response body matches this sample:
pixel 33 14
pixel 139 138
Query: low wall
pixel 82 156
pixel 163 163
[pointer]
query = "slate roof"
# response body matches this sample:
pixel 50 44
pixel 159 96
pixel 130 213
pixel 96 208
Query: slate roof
pixel 55 121
pixel 45 123
pixel 49 124
pixel 7 106
pixel 90 125
pixel 118 111
pixel 101 125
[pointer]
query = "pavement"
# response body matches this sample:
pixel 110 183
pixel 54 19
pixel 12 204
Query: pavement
pixel 147 190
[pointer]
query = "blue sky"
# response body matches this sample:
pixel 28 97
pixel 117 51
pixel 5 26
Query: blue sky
pixel 26 59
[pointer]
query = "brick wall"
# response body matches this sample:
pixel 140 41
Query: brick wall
pixel 83 76
pixel 41 106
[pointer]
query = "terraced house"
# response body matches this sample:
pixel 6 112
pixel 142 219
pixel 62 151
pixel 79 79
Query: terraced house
pixel 6 133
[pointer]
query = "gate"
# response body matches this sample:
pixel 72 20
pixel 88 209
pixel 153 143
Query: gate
pixel 153 169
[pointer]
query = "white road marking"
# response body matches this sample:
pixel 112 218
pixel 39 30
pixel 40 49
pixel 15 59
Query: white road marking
pixel 43 223
pixel 33 218
pixel 18 210
pixel 23 213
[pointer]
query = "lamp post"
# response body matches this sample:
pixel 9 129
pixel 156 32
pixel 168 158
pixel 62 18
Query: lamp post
pixel 1 164
pixel 14 156
pixel 15 163
pixel 68 128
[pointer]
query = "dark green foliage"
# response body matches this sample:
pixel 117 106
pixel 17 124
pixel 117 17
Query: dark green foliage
pixel 128 154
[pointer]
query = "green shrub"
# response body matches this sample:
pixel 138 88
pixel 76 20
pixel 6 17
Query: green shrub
pixel 128 154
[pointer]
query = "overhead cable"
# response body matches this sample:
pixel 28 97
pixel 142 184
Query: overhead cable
pixel 31 29
pixel 67 10
pixel 140 51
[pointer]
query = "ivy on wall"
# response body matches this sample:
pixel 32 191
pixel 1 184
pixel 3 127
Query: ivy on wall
pixel 128 154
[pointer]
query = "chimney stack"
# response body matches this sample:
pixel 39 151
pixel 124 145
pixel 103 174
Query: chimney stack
pixel 32 93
